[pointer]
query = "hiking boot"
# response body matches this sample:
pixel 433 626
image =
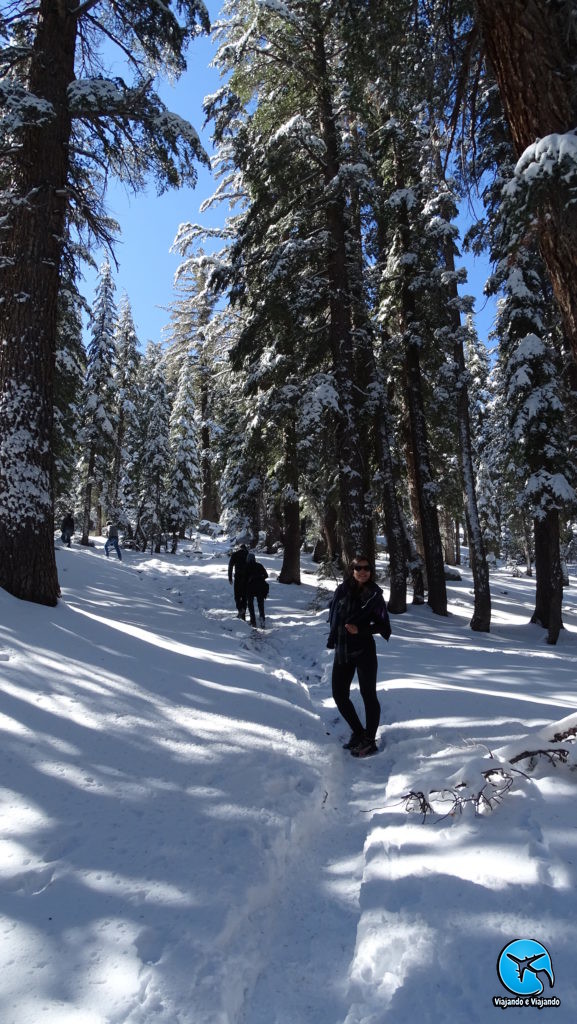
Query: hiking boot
pixel 261 621
pixel 365 748
pixel 353 742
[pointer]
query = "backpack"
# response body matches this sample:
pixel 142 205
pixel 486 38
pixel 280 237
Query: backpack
pixel 257 575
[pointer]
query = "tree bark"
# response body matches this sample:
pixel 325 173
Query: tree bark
pixel 291 564
pixel 412 534
pixel 355 528
pixel 429 519
pixel 375 414
pixel 531 47
pixel 329 526
pixel 32 255
pixel 87 499
pixel 481 620
pixel 549 576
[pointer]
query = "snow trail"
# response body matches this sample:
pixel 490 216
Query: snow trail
pixel 185 841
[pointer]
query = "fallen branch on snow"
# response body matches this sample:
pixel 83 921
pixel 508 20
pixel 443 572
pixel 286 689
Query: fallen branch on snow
pixel 497 780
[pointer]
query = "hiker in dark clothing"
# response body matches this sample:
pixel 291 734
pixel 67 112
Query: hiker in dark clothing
pixel 237 565
pixel 112 540
pixel 256 587
pixel 67 528
pixel 357 611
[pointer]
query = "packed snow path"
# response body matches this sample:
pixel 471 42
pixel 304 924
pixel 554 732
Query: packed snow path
pixel 185 842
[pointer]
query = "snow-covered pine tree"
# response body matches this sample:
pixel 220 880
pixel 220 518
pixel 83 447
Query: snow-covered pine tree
pixel 529 42
pixel 244 468
pixel 526 448
pixel 183 478
pixel 451 333
pixel 69 381
pixel 198 329
pixel 487 428
pixel 526 325
pixel 284 62
pixel 407 263
pixel 126 401
pixel 62 117
pixel 150 451
pixel 98 408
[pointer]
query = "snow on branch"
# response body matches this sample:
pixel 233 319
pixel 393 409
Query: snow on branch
pixel 21 109
pixel 106 97
pixel 299 128
pixel 554 157
pixel 276 7
pixel 485 780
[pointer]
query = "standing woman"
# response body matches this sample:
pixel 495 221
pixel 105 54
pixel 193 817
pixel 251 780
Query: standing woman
pixel 357 611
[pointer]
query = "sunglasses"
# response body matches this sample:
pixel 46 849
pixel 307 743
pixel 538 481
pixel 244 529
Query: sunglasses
pixel 361 568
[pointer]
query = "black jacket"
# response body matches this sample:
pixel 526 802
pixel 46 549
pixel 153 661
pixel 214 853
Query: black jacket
pixel 256 583
pixel 364 608
pixel 237 562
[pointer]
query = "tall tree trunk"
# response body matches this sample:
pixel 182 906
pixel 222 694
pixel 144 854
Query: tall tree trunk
pixel 87 503
pixel 531 47
pixel 291 563
pixel 549 576
pixel 413 537
pixel 355 528
pixel 329 526
pixel 209 501
pixel 448 538
pixel 29 284
pixel 481 620
pixel 113 509
pixel 428 519
pixel 373 388
pixel 527 547
pixel 428 516
pixel 397 603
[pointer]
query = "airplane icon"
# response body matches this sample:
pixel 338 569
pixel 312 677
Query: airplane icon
pixel 526 964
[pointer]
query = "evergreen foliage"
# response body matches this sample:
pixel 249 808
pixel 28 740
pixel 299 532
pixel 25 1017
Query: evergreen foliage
pixel 322 380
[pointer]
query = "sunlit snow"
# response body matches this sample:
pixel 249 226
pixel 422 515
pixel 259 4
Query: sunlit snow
pixel 185 841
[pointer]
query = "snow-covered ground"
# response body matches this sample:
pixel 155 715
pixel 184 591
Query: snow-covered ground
pixel 185 842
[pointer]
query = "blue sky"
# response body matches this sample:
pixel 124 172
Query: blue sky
pixel 149 223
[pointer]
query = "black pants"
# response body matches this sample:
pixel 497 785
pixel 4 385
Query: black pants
pixel 260 603
pixel 239 590
pixel 366 668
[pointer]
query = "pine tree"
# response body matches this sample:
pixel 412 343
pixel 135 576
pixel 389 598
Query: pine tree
pixel 539 95
pixel 487 430
pixel 63 123
pixel 69 382
pixel 196 328
pixel 126 401
pixel 537 417
pixel 98 421
pixel 293 237
pixel 151 451
pixel 183 479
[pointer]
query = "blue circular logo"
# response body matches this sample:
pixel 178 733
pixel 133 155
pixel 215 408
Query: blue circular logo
pixel 521 966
